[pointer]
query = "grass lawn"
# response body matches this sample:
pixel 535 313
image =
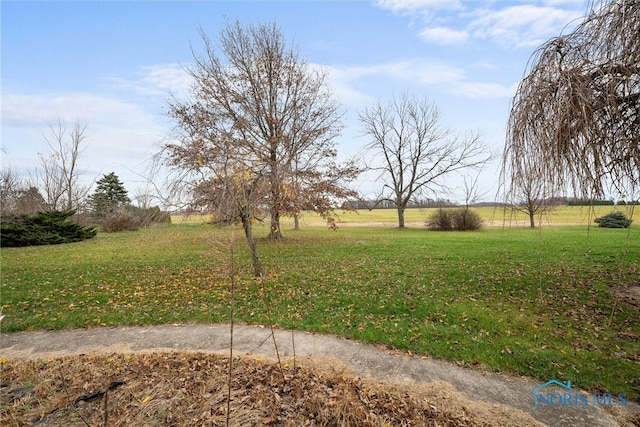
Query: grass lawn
pixel 537 302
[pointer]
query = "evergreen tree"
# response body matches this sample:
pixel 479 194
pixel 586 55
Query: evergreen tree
pixel 110 196
pixel 43 228
pixel 614 219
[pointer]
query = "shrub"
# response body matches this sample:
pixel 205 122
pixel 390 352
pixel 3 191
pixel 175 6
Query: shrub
pixel 43 228
pixel 465 219
pixel 121 221
pixel 441 220
pixel 458 219
pixel 614 219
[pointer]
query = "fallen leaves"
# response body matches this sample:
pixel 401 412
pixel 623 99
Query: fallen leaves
pixel 191 389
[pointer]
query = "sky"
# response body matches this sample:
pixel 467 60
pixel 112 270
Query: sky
pixel 113 65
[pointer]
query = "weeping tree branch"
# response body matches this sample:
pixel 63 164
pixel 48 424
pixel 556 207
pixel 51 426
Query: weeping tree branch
pixel 576 114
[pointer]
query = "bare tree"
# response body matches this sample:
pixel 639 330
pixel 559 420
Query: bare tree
pixel 29 201
pixel 18 196
pixel 532 201
pixel 277 109
pixel 48 178
pixel 528 192
pixel 416 153
pixel 10 187
pixel 58 174
pixel 576 114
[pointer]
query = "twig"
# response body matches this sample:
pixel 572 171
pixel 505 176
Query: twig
pixel 232 274
pixel 293 346
pixel 275 344
pixel 66 391
pixel 106 410
pixel 613 310
pixel 273 332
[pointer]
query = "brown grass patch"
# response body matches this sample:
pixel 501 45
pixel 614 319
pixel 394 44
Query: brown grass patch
pixel 180 389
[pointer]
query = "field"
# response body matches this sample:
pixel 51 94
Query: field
pixel 492 217
pixel 554 302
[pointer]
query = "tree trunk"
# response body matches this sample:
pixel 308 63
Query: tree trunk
pixel 532 219
pixel 296 222
pixel 400 216
pixel 275 225
pixel 257 264
pixel 275 232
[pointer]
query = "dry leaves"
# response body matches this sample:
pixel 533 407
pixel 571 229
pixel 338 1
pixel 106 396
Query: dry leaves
pixel 180 389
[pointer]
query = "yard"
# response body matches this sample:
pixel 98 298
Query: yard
pixel 554 302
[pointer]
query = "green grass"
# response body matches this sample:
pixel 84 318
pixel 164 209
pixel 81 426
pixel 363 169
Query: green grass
pixel 531 302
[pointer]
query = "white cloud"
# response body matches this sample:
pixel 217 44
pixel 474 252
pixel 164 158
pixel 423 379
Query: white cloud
pixel 522 25
pixel 515 26
pixel 563 2
pixel 415 70
pixel 444 36
pixel 425 72
pixel 120 135
pixel 485 90
pixel 341 82
pixel 419 7
pixel 123 126
pixel 156 80
pixel 358 85
pixel 485 65
pixel 355 86
pixel 41 109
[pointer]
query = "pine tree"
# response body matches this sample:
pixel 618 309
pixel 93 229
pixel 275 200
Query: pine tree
pixel 43 228
pixel 110 196
pixel 614 219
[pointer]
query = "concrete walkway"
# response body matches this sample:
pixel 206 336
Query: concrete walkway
pixel 365 360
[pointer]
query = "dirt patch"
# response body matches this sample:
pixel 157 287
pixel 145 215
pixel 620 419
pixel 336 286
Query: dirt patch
pixel 628 293
pixel 177 389
pixel 632 295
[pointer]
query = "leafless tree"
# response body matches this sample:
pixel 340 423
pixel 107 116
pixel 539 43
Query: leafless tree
pixel 472 192
pixel 530 193
pixel 532 205
pixel 10 187
pixel 18 195
pixel 29 201
pixel 259 96
pixel 58 174
pixel 416 153
pixel 576 114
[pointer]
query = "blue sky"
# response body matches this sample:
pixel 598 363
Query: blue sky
pixel 112 65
